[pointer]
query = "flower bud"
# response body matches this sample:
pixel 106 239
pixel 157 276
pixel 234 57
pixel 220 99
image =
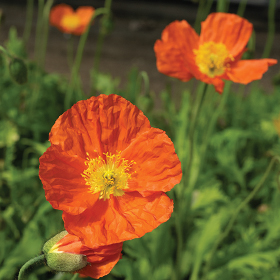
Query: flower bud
pixel 18 70
pixel 62 261
pixel 66 252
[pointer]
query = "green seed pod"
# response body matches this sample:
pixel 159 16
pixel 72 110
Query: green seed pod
pixel 18 70
pixel 62 261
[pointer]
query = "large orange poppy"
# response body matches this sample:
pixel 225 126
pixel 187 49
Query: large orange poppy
pixel 67 20
pixel 212 56
pixel 69 254
pixel 108 170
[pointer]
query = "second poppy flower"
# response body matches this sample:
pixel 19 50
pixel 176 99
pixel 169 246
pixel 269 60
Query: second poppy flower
pixel 67 20
pixel 212 56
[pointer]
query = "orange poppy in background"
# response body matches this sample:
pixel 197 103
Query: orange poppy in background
pixel 69 254
pixel 214 55
pixel 67 20
pixel 108 170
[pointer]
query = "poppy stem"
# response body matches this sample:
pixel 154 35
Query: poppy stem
pixel 78 59
pixel 197 106
pixel 28 22
pixel 28 264
pixel 271 28
pixel 100 40
pixel 229 226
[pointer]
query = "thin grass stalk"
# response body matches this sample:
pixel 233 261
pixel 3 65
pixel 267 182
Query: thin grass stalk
pixel 229 226
pixel 28 21
pixel 242 7
pixel 78 60
pixel 271 28
pixel 99 44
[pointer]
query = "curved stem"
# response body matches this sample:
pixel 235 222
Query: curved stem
pixel 28 264
pixel 228 228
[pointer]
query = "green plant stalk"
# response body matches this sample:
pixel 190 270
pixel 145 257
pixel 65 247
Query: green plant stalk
pixel 202 11
pixel 99 44
pixel 70 52
pixel 39 29
pixel 78 59
pixel 178 227
pixel 197 107
pixel 228 228
pixel 28 22
pixel 271 28
pixel 241 8
pixel 213 121
pixel 222 6
pixel 45 33
pixel 28 264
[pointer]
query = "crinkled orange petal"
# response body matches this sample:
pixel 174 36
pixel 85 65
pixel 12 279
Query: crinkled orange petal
pixel 119 218
pixel 64 186
pixel 85 13
pixel 101 259
pixel 174 52
pixel 57 13
pixel 246 71
pixel 231 30
pixel 157 166
pixel 102 124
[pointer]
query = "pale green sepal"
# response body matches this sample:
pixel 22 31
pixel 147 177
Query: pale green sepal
pixel 50 243
pixel 66 262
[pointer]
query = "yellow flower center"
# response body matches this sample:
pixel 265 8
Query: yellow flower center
pixel 70 21
pixel 212 58
pixel 108 176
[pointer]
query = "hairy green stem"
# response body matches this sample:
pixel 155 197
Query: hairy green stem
pixel 28 264
pixel 229 226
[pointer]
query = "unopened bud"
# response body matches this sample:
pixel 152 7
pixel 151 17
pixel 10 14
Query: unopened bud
pixel 59 260
pixel 18 70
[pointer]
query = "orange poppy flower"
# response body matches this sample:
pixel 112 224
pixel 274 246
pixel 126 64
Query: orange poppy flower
pixel 67 20
pixel 108 170
pixel 65 252
pixel 212 56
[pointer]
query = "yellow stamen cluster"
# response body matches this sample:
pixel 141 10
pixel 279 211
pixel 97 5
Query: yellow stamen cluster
pixel 212 58
pixel 107 176
pixel 70 21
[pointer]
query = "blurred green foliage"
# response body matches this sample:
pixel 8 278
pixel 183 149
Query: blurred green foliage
pixel 222 175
